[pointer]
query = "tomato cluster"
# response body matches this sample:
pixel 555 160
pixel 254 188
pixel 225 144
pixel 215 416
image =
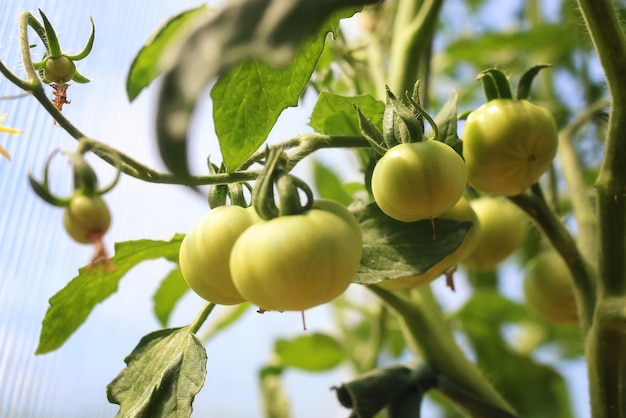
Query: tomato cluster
pixel 286 263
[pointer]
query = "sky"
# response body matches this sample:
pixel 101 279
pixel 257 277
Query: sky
pixel 37 258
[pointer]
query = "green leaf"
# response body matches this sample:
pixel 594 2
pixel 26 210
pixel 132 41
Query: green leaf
pixel 335 115
pixel 163 375
pixel 482 319
pixel 329 185
pixel 311 352
pixel 147 64
pixel 172 288
pixel 71 306
pixel 394 249
pixel 268 30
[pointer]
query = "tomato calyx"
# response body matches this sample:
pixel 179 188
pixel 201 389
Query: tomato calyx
pixel 275 175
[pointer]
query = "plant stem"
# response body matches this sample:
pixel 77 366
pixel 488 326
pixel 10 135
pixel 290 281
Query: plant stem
pixel 561 239
pixel 202 316
pixel 414 26
pixel 605 357
pixel 427 334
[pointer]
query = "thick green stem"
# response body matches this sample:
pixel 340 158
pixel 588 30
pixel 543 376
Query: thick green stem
pixel 201 318
pixel 428 335
pixel 605 356
pixel 414 26
pixel 561 239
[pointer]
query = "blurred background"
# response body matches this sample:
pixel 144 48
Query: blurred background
pixel 37 258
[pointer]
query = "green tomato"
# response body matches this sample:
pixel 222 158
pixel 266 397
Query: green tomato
pixel 205 253
pixel 292 263
pixel 59 69
pixel 86 218
pixel 462 211
pixel 507 145
pixel 548 288
pixel 418 180
pixel 503 228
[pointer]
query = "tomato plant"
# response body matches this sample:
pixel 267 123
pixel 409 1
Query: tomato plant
pixel 402 220
pixel 205 253
pixel 296 262
pixel 418 180
pixel 548 288
pixel 503 228
pixel 507 145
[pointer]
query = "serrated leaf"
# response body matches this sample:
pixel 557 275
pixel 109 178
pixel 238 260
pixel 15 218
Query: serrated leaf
pixel 163 375
pixel 172 288
pixel 269 30
pixel 147 64
pixel 249 99
pixel 311 352
pixel 335 115
pixel 71 306
pixel 394 249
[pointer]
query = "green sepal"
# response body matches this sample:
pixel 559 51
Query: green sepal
pixel 217 192
pixel 79 78
pixel 369 131
pixel 43 192
pixel 523 88
pixel 495 84
pixel 263 192
pixel 404 123
pixel 52 42
pixel 87 49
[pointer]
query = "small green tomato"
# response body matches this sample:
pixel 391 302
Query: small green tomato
pixel 507 145
pixel 86 218
pixel 420 180
pixel 59 69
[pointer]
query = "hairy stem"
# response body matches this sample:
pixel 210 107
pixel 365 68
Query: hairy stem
pixel 605 355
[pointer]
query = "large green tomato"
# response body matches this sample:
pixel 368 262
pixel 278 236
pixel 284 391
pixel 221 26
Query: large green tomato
pixel 205 253
pixel 59 69
pixel 548 288
pixel 462 211
pixel 503 228
pixel 292 263
pixel 418 180
pixel 86 218
pixel 507 145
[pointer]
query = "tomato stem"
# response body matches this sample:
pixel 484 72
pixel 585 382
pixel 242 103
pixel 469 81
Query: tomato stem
pixel 201 318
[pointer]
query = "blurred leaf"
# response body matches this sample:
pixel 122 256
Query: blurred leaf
pixel 311 352
pixel 147 63
pixel 163 375
pixel 328 184
pixel 394 249
pixel 228 316
pixel 335 115
pixel 71 306
pixel 275 401
pixel 172 288
pixel 446 121
pixel 504 47
pixel 268 30
pixel 482 318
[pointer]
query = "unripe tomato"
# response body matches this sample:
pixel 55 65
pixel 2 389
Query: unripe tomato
pixel 292 263
pixel 418 180
pixel 86 218
pixel 462 211
pixel 59 69
pixel 548 288
pixel 503 228
pixel 205 253
pixel 507 145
